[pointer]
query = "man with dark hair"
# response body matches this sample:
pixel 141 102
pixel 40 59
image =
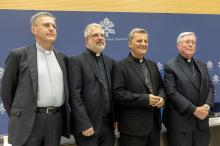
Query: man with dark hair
pixel 138 92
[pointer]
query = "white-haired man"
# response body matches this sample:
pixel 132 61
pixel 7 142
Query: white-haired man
pixel 190 95
pixel 90 91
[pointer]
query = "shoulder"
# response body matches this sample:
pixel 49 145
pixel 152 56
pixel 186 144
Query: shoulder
pixel 200 64
pixel 77 59
pixel 19 52
pixel 62 55
pixel 151 62
pixel 171 63
pixel 109 59
pixel 122 64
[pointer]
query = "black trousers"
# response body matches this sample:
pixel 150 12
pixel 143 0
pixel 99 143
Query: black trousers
pixel 195 138
pixel 151 139
pixel 47 130
pixel 104 138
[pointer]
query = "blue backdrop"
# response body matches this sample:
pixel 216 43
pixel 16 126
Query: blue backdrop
pixel 163 29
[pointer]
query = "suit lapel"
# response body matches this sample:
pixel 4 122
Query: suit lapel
pixel 61 62
pixel 201 72
pixel 106 65
pixel 152 72
pixel 32 60
pixel 187 72
pixel 92 64
pixel 136 69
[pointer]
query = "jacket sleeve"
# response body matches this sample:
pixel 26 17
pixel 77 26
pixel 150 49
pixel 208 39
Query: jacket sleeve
pixel 78 109
pixel 181 103
pixel 211 93
pixel 10 80
pixel 121 95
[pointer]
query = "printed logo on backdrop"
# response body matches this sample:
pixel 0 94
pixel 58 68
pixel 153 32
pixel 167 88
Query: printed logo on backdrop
pixel 209 65
pixel 216 78
pixel 160 66
pixel 110 32
pixel 2 110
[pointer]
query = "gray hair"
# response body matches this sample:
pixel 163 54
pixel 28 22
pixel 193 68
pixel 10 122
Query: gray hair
pixel 87 30
pixel 40 14
pixel 181 35
pixel 136 30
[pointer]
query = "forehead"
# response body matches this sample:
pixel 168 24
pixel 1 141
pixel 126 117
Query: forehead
pixel 45 19
pixel 95 29
pixel 188 37
pixel 138 35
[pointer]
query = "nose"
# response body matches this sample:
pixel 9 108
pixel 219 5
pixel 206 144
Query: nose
pixel 51 27
pixel 100 36
pixel 143 43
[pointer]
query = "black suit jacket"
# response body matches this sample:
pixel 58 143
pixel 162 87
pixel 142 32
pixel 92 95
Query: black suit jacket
pixel 183 93
pixel 131 94
pixel 20 91
pixel 87 92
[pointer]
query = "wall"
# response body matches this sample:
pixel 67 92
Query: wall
pixel 155 6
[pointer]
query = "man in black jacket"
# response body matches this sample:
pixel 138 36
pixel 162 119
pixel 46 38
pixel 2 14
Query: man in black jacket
pixel 190 95
pixel 35 89
pixel 138 92
pixel 90 91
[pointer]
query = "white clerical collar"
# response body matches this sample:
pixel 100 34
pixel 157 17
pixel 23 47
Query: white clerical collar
pixel 42 50
pixel 97 54
pixel 189 60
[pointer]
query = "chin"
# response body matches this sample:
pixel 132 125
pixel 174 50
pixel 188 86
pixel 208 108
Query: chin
pixel 51 40
pixel 101 48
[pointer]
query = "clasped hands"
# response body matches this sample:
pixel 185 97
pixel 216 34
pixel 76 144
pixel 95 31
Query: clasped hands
pixel 202 112
pixel 88 132
pixel 156 101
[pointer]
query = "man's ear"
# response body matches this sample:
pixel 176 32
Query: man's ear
pixel 86 42
pixel 177 46
pixel 33 30
pixel 129 44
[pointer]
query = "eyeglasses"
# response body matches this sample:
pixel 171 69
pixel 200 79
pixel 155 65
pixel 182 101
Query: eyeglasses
pixel 193 43
pixel 97 35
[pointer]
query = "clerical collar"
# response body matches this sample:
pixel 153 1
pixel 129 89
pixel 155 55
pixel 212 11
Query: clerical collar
pixel 138 60
pixel 187 60
pixel 94 53
pixel 42 50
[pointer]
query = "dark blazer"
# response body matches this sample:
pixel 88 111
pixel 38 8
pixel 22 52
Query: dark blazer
pixel 131 94
pixel 20 90
pixel 183 94
pixel 87 91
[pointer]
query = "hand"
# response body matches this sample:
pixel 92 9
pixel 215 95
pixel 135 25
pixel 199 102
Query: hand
pixel 160 103
pixel 88 132
pixel 207 106
pixel 153 99
pixel 115 125
pixel 201 112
